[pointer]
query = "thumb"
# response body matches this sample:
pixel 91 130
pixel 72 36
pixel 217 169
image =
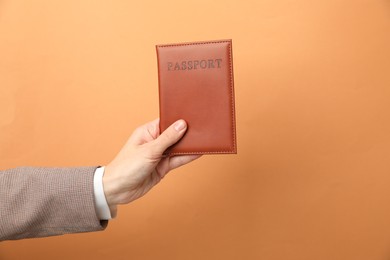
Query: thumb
pixel 171 135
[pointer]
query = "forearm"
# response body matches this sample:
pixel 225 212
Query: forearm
pixel 37 202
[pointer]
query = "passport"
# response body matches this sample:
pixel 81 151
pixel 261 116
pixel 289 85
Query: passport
pixel 196 84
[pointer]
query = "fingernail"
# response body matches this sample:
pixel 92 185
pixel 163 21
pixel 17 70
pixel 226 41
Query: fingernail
pixel 180 125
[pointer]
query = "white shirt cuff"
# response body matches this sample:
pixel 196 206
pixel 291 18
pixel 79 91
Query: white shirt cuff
pixel 101 205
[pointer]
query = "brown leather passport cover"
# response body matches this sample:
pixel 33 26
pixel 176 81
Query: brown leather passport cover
pixel 196 84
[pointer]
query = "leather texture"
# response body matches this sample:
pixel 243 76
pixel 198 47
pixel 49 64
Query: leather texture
pixel 196 84
pixel 41 202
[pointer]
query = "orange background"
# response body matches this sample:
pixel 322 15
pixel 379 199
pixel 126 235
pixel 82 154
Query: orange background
pixel 312 78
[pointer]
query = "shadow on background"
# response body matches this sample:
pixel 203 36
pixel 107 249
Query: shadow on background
pixel 1 246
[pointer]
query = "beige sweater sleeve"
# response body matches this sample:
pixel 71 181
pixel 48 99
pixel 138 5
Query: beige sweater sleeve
pixel 39 202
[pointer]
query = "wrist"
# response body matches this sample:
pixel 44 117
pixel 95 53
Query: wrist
pixel 110 188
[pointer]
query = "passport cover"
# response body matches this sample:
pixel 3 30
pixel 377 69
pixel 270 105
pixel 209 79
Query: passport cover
pixel 196 84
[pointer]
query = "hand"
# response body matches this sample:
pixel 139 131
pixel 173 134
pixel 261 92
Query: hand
pixel 140 164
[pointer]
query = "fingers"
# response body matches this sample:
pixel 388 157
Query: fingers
pixel 170 136
pixel 169 163
pixel 180 160
pixel 145 133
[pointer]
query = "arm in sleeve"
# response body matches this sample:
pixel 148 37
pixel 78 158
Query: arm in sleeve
pixel 39 202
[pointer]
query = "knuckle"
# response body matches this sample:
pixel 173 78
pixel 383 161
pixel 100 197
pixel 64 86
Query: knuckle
pixel 167 136
pixel 152 130
pixel 151 150
pixel 137 130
